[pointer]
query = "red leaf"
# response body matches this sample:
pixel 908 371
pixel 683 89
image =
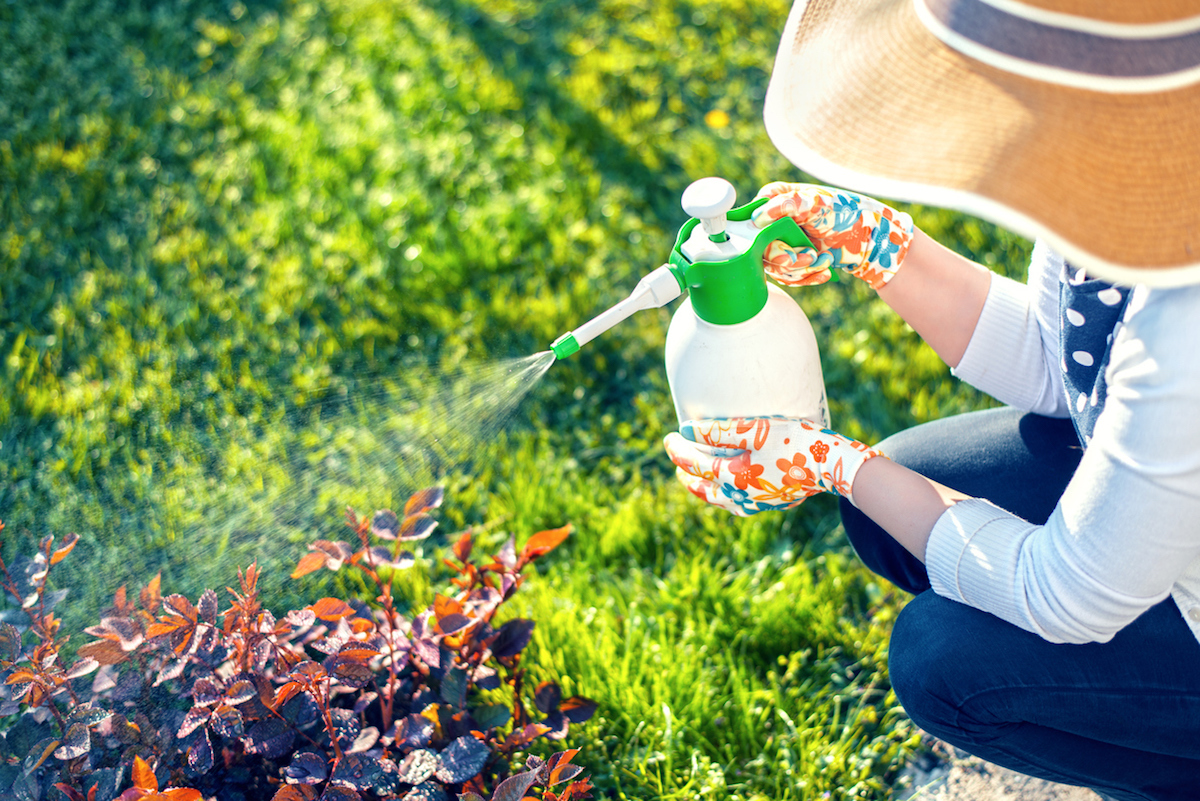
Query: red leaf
pixel 193 720
pixel 69 791
pixel 508 554
pixel 547 696
pixel 178 605
pixel 168 625
pixel 182 794
pixel 564 773
pixel 579 789
pixel 249 581
pixel 150 596
pixel 331 609
pixel 462 548
pixel 380 556
pixel 76 743
pixel 21 676
pixel 443 606
pixel 310 669
pixel 337 552
pixel 425 499
pixel 295 792
pixel 385 524
pixel 514 787
pixel 35 760
pixel 286 693
pixel 416 527
pixel 143 777
pixel 106 652
pixel 266 690
pixel 525 736
pixel 544 542
pixel 512 638
pixel 206 605
pixel 577 708
pixel 453 623
pixel 62 551
pixel 311 562
pixel 240 692
pixel 358 653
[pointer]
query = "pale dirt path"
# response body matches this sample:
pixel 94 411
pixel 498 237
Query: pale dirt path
pixel 947 775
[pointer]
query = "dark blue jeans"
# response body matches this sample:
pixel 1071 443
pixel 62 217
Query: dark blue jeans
pixel 1122 717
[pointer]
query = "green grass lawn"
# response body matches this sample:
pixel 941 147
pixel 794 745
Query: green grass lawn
pixel 252 255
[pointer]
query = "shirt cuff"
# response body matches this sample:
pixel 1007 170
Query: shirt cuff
pixel 972 554
pixel 1006 314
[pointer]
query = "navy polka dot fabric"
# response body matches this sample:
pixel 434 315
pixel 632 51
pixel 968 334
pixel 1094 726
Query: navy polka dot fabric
pixel 1091 310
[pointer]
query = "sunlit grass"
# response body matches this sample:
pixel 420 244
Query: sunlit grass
pixel 245 247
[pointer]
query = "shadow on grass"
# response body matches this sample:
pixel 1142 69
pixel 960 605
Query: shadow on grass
pixel 532 66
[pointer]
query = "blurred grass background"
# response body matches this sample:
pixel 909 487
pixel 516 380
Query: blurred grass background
pixel 246 247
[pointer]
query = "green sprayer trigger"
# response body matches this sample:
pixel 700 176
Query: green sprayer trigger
pixel 735 289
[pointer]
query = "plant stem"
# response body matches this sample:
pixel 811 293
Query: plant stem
pixel 326 712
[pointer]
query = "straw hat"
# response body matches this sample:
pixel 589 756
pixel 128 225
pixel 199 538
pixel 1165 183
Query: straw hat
pixel 1076 121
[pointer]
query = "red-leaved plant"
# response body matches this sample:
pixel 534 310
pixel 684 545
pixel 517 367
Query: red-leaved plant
pixel 336 701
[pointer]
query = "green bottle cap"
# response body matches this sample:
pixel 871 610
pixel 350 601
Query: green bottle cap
pixel 732 291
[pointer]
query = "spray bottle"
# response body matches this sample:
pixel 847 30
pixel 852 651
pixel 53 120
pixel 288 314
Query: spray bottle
pixel 737 346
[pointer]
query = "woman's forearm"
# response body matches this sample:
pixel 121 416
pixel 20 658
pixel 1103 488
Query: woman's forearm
pixel 940 294
pixel 902 502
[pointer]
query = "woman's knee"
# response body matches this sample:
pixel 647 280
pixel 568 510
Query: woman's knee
pixel 927 662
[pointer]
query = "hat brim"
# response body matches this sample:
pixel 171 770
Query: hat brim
pixel 864 96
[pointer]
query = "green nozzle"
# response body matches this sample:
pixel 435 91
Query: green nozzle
pixel 564 346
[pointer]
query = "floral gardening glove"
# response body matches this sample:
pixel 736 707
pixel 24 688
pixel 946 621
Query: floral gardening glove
pixel 850 231
pixel 750 465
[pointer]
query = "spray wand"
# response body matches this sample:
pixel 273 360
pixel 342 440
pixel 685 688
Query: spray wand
pixel 654 291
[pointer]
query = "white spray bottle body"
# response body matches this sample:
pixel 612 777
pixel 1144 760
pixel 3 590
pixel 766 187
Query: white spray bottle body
pixel 767 365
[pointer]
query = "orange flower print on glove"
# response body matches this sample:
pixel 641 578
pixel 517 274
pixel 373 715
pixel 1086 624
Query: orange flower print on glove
pixel 745 473
pixel 784 462
pixel 856 233
pixel 796 474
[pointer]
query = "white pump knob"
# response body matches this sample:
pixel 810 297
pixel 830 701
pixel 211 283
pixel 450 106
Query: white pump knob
pixel 708 200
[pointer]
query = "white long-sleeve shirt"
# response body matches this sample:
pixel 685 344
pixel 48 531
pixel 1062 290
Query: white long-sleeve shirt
pixel 1126 533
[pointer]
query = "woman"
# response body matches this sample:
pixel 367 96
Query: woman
pixel 1053 545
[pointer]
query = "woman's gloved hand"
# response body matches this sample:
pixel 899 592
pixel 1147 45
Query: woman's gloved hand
pixel 850 231
pixel 750 465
